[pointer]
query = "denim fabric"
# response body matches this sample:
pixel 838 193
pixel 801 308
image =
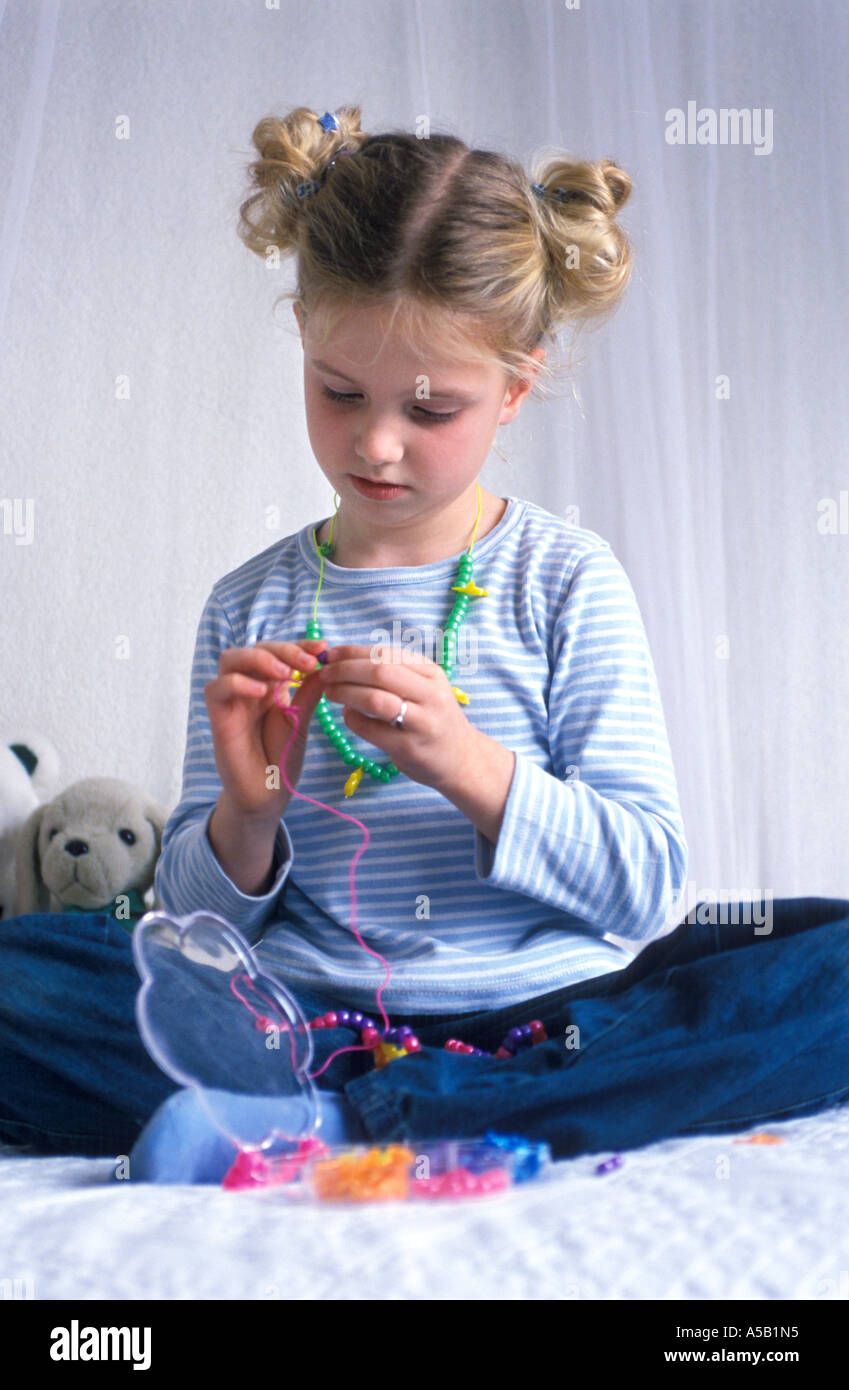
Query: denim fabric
pixel 710 1028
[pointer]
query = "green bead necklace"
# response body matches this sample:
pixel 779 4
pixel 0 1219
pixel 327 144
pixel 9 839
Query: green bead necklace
pixel 465 588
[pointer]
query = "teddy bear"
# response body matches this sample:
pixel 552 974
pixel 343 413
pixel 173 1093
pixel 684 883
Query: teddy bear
pixel 29 774
pixel 93 848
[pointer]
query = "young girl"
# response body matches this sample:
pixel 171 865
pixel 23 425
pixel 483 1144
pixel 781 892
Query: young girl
pixel 488 706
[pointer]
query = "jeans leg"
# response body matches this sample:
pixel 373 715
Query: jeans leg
pixel 74 1075
pixel 693 1045
pixel 705 935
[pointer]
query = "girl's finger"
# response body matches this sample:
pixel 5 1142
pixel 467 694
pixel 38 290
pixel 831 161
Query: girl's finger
pixel 297 657
pixel 226 688
pixel 380 704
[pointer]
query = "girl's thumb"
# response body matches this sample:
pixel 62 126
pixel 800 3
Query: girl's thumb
pixel 305 698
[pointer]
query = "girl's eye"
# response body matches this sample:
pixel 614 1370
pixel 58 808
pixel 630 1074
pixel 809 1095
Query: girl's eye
pixel 430 416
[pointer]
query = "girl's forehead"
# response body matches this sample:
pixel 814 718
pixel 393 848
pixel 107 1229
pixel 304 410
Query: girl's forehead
pixel 363 339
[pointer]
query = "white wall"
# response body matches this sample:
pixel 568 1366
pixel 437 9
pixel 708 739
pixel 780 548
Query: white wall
pixel 120 257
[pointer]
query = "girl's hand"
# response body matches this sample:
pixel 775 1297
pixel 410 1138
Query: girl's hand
pixel 250 730
pixel 436 738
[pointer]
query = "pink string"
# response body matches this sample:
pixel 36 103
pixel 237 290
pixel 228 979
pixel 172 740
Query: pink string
pixel 281 1023
pixel 295 712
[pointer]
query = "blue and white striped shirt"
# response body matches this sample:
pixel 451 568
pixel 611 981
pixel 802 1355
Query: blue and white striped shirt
pixel 557 668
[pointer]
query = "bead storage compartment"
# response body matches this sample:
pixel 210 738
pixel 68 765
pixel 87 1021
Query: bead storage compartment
pixel 451 1169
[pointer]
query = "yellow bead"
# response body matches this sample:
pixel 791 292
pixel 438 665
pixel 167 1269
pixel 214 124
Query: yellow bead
pixel 470 588
pixel 353 781
pixel 385 1053
pixel 461 695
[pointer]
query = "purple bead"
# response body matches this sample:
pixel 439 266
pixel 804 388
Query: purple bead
pixel 404 1030
pixel 610 1164
pixel 369 1023
pixel 390 1034
pixel 356 1020
pixel 322 657
pixel 515 1034
pixel 343 1016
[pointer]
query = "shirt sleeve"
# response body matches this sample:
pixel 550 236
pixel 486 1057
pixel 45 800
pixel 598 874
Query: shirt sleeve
pixel 599 836
pixel 188 875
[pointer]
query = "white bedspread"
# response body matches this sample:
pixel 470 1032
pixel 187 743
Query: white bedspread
pixel 686 1218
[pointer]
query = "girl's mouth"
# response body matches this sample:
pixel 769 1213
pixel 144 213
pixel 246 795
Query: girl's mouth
pixel 379 491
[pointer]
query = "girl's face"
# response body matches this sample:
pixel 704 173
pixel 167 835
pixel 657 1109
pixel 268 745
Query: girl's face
pixel 378 410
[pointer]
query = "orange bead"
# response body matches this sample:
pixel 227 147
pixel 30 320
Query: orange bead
pixel 761 1139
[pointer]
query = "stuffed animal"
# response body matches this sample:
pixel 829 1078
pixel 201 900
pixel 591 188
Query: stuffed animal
pixel 29 774
pixel 93 848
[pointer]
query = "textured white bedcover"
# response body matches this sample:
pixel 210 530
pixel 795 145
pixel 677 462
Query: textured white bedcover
pixel 668 1224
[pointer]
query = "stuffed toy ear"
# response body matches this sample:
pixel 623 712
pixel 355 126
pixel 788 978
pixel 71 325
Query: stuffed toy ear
pixel 158 816
pixel 32 894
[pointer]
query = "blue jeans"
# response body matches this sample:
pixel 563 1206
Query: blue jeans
pixel 710 1028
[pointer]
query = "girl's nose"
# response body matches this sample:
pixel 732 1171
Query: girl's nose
pixel 379 442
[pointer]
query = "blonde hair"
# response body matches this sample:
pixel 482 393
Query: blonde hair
pixel 431 228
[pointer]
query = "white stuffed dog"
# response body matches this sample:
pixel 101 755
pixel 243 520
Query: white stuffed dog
pixel 93 848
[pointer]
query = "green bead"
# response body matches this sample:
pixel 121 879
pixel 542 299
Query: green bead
pixel 336 733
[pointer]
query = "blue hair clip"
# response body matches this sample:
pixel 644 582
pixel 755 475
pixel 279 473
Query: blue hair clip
pixel 539 189
pixel 328 121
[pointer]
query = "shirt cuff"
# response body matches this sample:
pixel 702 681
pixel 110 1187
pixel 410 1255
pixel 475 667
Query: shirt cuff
pixel 208 886
pixel 501 865
pixel 491 861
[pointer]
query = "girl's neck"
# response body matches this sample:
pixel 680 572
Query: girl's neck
pixel 353 550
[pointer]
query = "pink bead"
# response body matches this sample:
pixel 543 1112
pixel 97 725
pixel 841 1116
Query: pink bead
pixel 330 1020
pixel 318 1023
pixel 370 1037
pixel 411 1044
pixel 451 1045
pixel 502 1052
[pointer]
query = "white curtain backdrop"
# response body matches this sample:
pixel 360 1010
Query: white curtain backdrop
pixel 151 407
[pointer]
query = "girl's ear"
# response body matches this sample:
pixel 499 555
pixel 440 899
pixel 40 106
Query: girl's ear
pixel 518 391
pixel 296 310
